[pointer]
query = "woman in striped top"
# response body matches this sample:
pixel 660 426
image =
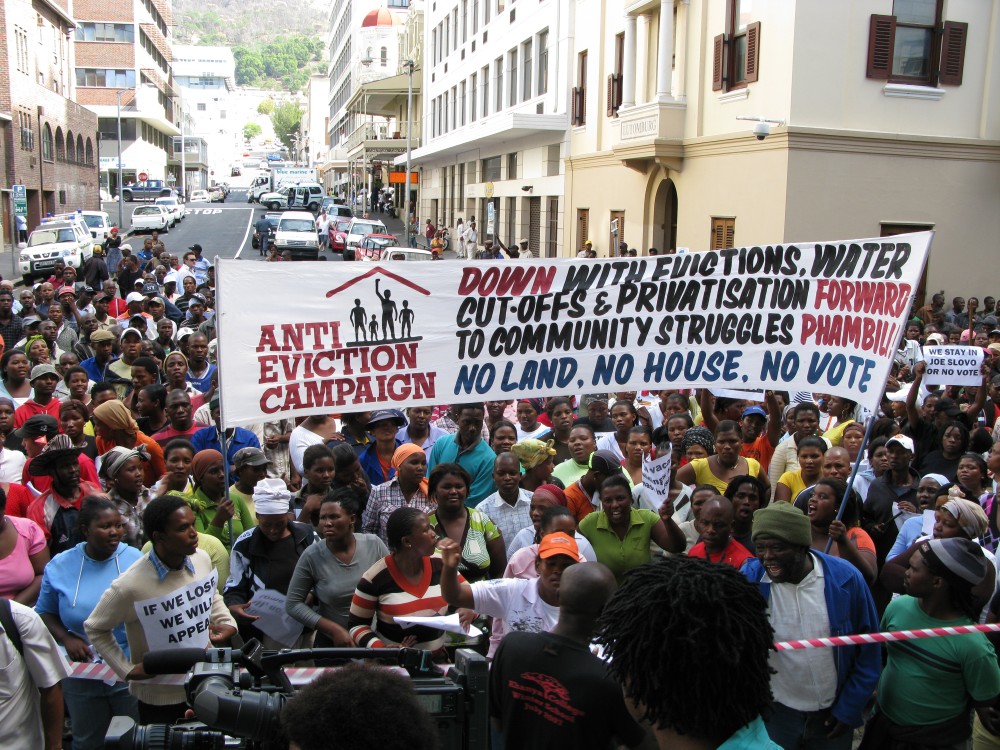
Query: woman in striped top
pixel 406 582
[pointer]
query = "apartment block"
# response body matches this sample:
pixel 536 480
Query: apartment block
pixel 49 142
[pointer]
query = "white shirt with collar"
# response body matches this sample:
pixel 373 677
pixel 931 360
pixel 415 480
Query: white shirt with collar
pixel 510 519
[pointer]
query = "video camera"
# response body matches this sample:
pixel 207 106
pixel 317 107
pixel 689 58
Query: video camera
pixel 237 707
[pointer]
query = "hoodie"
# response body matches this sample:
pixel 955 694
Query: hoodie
pixel 73 583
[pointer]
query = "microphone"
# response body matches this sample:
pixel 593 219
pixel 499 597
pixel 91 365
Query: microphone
pixel 180 660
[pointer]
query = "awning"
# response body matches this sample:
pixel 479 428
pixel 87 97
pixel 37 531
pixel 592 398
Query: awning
pixel 380 97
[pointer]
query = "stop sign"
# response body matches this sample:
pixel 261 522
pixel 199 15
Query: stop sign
pixel 143 176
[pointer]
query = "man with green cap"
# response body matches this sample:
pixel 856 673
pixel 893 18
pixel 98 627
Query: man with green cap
pixel 819 694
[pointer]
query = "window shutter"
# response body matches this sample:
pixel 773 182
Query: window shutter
pixel 619 90
pixel 614 94
pixel 730 226
pixel 718 61
pixel 576 105
pixel 881 38
pixel 953 53
pixel 753 51
pixel 718 234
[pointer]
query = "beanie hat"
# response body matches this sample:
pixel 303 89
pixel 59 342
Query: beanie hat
pixel 963 559
pixel 783 521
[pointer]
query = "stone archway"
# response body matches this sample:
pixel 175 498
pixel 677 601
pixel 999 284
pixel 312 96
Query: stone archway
pixel 664 229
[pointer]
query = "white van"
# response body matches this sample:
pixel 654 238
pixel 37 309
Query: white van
pixel 296 232
pixel 68 241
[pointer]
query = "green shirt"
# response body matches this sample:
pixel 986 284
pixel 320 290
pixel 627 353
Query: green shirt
pixel 931 680
pixel 204 511
pixel 479 530
pixel 621 555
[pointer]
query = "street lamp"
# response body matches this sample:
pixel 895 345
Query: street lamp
pixel 409 152
pixel 366 61
pixel 118 99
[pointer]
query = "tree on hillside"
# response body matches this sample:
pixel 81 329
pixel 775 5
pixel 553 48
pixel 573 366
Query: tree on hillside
pixel 251 130
pixel 266 107
pixel 249 66
pixel 285 119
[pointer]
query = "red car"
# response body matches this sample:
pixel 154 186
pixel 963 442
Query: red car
pixel 338 234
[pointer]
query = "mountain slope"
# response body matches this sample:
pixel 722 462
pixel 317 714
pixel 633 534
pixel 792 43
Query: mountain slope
pixel 246 22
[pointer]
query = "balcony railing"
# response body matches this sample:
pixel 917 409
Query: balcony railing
pixel 383 134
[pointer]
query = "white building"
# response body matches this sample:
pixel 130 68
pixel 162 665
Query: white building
pixel 496 112
pixel 206 78
pixel 315 119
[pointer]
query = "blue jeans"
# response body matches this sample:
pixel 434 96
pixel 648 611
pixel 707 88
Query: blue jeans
pixel 803 730
pixel 91 705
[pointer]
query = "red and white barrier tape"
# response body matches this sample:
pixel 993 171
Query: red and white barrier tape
pixel 98 671
pixel 895 635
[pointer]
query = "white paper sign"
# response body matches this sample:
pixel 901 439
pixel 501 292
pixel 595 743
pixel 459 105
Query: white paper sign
pixel 953 365
pixel 810 316
pixel 180 618
pixel 269 606
pixel 927 523
pixel 739 395
pixel 656 478
pixel 448 623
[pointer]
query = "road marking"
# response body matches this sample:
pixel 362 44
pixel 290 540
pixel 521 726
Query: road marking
pixel 245 235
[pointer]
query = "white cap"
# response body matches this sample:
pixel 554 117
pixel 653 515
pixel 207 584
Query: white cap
pixel 134 297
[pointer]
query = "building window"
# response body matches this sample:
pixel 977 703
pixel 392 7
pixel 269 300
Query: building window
pixel 582 227
pixel 475 16
pixel 105 78
pixel 512 166
pixel 105 32
pixel 473 96
pixel 723 232
pixel 915 46
pixel 486 11
pixel 615 78
pixel 461 103
pixel 542 79
pixel 580 90
pixel 447 33
pixel 47 142
pixel 454 23
pixel 60 145
pixel 465 20
pixel 384 56
pixel 454 107
pixel 434 46
pixel 526 67
pixel 90 153
pixel 201 106
pixel 498 70
pixel 486 90
pixel 222 114
pixel 21 40
pixel 736 53
pixel 491 169
pixel 512 77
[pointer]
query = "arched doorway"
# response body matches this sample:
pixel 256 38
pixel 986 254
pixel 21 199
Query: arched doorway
pixel 664 234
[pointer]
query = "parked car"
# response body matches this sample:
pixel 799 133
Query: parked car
pixel 235 171
pixel 174 206
pixel 338 235
pixel 336 207
pixel 148 218
pixel 199 195
pixel 296 231
pixel 68 240
pixel 272 219
pixel 374 246
pixel 405 253
pixel 362 227
pixel 217 194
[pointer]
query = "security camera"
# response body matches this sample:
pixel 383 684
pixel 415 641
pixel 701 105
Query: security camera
pixel 761 130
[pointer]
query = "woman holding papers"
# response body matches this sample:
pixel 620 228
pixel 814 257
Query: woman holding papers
pixel 264 558
pixel 331 570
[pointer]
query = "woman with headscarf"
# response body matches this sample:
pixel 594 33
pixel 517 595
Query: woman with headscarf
pixel 214 513
pixel 528 425
pixel 698 443
pixel 407 489
pixel 542 498
pixel 537 460
pixel 925 694
pixel 116 427
pixel 266 558
pixel 121 470
pixel 912 528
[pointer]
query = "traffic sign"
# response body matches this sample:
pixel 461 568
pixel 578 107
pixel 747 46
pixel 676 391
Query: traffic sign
pixel 20 196
pixel 143 176
pixel 489 190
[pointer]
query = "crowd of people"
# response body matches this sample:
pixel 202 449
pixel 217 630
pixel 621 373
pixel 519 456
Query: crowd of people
pixel 529 518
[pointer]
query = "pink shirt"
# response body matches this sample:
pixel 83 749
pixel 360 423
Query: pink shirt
pixel 16 571
pixel 522 563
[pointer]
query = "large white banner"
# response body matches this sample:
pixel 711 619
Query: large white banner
pixel 322 337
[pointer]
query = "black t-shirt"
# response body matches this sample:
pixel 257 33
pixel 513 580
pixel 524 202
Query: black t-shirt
pixel 936 463
pixel 549 692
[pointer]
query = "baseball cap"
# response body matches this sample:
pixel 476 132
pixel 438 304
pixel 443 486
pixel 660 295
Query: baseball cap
pixel 40 425
pixel 39 370
pixel 66 290
pixel 754 411
pixel 196 247
pixel 199 298
pixel 523 241
pixel 559 543
pixel 135 297
pixel 383 415
pixel 948 406
pixel 605 462
pixel 156 300
pixel 588 242
pixel 249 457
pixel 184 333
pixel 902 441
pixel 101 335
pixel 127 331
pixel 137 319
pixel 150 288
pixel 995 332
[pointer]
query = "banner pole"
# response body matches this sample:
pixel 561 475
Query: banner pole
pixel 221 427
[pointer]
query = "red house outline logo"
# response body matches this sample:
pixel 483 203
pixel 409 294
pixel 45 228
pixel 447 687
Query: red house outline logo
pixel 390 274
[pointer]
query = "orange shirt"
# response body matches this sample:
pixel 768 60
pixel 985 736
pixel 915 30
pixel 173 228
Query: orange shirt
pixel 578 502
pixel 760 449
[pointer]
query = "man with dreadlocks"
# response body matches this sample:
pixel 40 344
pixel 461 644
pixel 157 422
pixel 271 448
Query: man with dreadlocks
pixel 688 642
pixel 547 689
pixel 820 693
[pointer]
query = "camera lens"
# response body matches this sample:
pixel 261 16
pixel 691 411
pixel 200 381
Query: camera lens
pixel 163 737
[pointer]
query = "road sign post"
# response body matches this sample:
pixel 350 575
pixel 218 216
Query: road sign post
pixel 491 221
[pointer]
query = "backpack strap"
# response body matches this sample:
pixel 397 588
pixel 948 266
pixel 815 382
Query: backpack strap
pixel 9 626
